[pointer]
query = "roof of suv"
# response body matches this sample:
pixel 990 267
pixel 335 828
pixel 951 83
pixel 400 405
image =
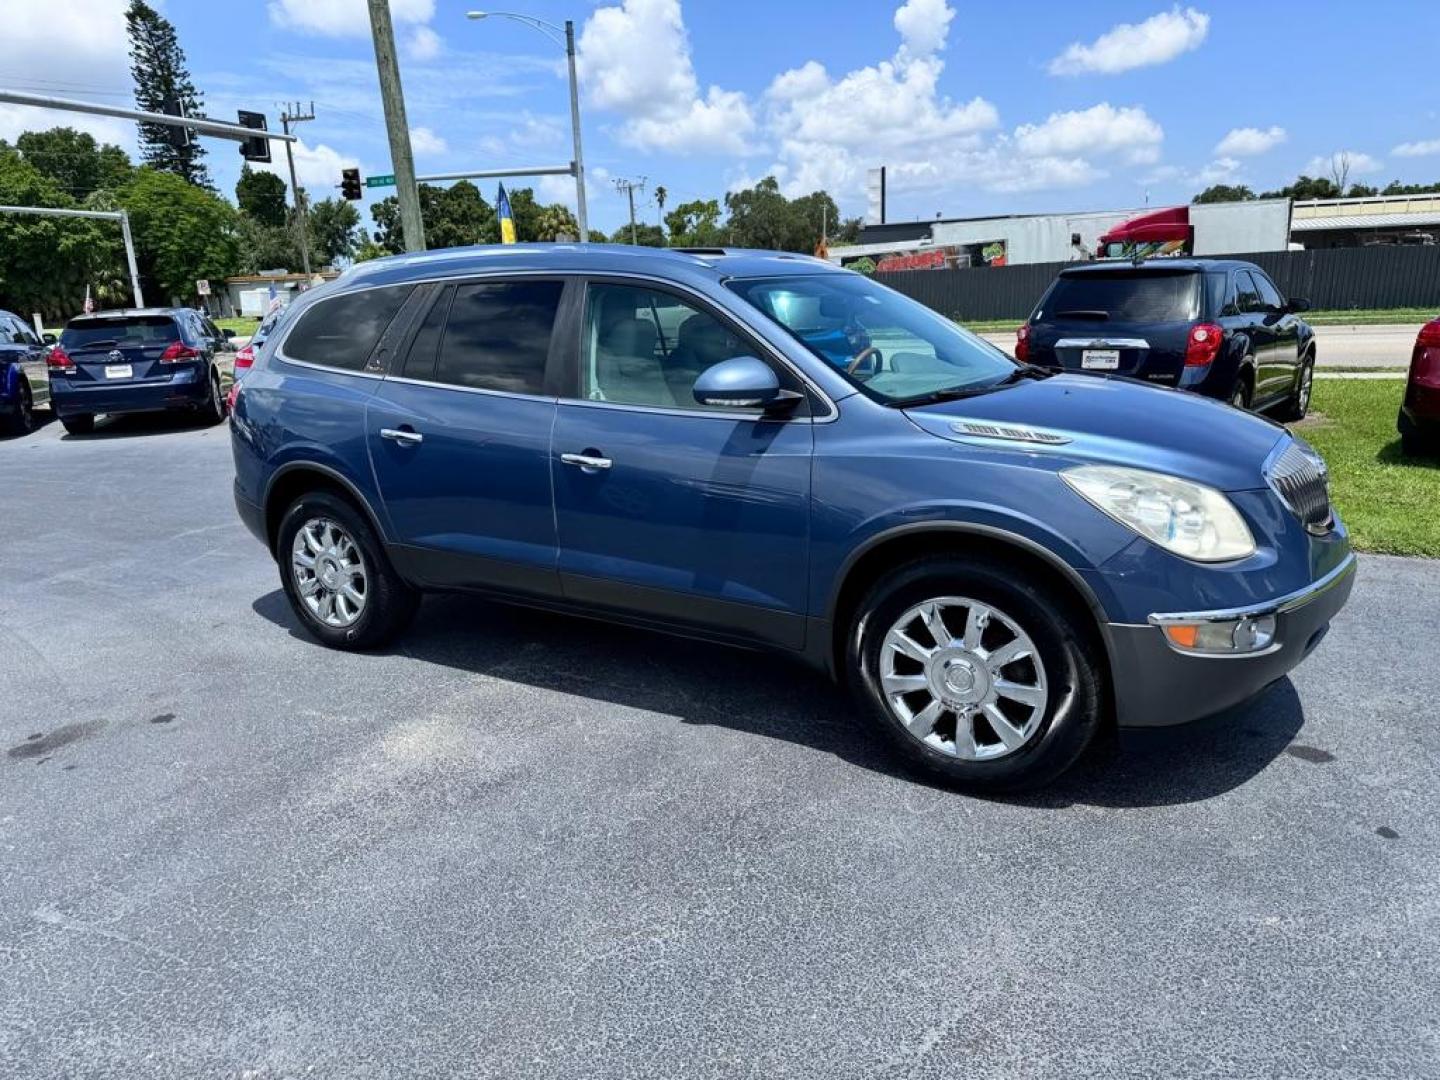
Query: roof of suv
pixel 1161 265
pixel 125 313
pixel 714 263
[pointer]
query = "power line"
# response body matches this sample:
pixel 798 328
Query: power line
pixel 628 187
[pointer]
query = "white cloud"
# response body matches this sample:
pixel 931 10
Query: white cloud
pixel 1157 40
pixel 343 18
pixel 425 141
pixel 1351 162
pixel 318 167
pixel 1417 149
pixel 1100 130
pixel 636 61
pixel 1247 142
pixel 1223 170
pixel 423 44
pixel 923 25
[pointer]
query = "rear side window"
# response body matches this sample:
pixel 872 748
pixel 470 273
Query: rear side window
pixel 1123 297
pixel 1247 293
pixel 497 336
pixel 1269 295
pixel 420 361
pixel 131 330
pixel 342 332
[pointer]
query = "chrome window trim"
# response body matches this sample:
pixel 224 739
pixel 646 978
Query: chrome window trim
pixel 582 274
pixel 1279 606
pixel 466 389
pixel 1102 343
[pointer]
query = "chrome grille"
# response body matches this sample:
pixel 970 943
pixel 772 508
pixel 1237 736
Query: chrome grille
pixel 1298 475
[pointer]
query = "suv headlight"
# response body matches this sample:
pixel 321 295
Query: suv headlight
pixel 1189 519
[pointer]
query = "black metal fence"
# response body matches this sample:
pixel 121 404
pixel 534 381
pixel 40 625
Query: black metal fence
pixel 1330 278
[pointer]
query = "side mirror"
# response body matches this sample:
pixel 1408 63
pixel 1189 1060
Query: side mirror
pixel 1297 305
pixel 742 382
pixel 48 339
pixel 228 333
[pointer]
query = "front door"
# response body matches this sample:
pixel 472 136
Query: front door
pixel 459 434
pixel 667 510
pixel 1259 327
pixel 1285 335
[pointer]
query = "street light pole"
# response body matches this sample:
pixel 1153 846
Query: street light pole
pixel 553 32
pixel 393 98
pixel 581 218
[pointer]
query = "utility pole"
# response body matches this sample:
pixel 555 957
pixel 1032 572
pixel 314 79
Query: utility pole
pixel 629 186
pixel 398 128
pixel 293 115
pixel 581 218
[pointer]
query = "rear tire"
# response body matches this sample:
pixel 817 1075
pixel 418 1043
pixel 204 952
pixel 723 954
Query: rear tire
pixel 213 411
pixel 343 550
pixel 1240 395
pixel 1298 403
pixel 961 744
pixel 23 422
pixel 79 424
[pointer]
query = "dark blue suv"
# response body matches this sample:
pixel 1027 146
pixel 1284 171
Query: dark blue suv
pixel 766 450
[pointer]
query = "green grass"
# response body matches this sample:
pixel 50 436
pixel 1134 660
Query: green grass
pixel 1388 501
pixel 243 326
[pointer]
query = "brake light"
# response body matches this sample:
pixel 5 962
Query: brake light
pixel 177 351
pixel 1203 345
pixel 1429 335
pixel 1022 343
pixel 244 359
pixel 1425 367
pixel 59 360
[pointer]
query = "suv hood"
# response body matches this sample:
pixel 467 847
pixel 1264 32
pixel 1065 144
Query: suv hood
pixel 1117 422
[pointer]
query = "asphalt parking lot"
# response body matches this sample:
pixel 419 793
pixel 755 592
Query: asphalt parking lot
pixel 527 845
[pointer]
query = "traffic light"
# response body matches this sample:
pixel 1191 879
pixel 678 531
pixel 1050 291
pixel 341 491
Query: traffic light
pixel 178 137
pixel 258 148
pixel 350 184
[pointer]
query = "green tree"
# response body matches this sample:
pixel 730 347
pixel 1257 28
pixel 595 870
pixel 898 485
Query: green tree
pixel 261 195
pixel 74 161
pixel 848 232
pixel 696 224
pixel 661 196
pixel 762 217
pixel 454 217
pixel 157 64
pixel 1306 187
pixel 554 220
pixel 182 233
pixel 266 247
pixel 595 236
pixel 333 225
pixel 367 249
pixel 645 235
pixel 45 263
pixel 1397 188
pixel 1218 193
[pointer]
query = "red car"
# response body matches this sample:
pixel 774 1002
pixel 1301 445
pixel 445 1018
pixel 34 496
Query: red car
pixel 1419 420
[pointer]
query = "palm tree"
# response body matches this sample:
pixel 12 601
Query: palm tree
pixel 660 196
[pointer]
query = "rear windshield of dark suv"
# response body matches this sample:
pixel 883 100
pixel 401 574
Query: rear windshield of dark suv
pixel 1123 296
pixel 129 330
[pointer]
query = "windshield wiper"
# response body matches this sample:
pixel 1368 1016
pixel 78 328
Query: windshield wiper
pixel 955 393
pixel 97 343
pixel 1083 313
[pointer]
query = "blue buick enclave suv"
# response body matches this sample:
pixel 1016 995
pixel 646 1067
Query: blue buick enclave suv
pixel 766 450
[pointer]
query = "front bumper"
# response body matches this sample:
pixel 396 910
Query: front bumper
pixel 1156 685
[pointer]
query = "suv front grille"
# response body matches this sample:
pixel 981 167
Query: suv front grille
pixel 1298 475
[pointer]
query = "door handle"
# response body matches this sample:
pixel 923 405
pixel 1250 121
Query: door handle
pixel 401 436
pixel 586 461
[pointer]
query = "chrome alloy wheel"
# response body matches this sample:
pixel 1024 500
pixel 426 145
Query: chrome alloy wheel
pixel 1307 383
pixel 329 572
pixel 963 678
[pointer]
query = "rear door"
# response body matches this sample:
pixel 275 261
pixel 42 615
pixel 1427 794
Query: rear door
pixel 1284 330
pixel 459 436
pixel 1133 321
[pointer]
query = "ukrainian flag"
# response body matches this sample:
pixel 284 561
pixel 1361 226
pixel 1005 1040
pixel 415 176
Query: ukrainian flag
pixel 507 223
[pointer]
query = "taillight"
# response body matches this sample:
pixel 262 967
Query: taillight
pixel 1203 345
pixel 177 351
pixel 1022 343
pixel 59 359
pixel 244 359
pixel 232 396
pixel 1425 367
pixel 1429 335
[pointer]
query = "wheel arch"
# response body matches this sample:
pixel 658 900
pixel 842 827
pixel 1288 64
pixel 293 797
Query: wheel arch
pixel 903 543
pixel 293 480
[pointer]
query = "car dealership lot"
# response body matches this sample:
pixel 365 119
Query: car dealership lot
pixel 528 845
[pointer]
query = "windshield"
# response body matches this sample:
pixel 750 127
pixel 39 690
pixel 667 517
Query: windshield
pixel 891 347
pixel 1141 296
pixel 129 330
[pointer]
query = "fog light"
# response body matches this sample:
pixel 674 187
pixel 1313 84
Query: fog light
pixel 1248 634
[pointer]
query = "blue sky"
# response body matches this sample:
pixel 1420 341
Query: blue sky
pixel 976 108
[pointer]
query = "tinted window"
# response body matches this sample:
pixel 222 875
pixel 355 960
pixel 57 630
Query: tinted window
pixel 420 361
pixel 1217 289
pixel 1123 297
pixel 127 330
pixel 646 347
pixel 1247 295
pixel 1268 293
pixel 498 336
pixel 8 335
pixel 342 332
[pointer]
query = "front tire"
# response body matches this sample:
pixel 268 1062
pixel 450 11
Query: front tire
pixel 336 576
pixel 1240 395
pixel 1006 700
pixel 1298 403
pixel 79 424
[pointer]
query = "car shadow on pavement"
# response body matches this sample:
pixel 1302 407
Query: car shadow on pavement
pixel 136 425
pixel 775 697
